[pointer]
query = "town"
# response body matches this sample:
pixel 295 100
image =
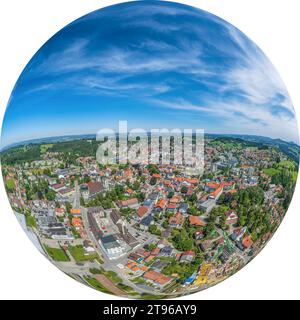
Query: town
pixel 149 231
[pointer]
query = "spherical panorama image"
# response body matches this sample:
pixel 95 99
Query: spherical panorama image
pixel 149 150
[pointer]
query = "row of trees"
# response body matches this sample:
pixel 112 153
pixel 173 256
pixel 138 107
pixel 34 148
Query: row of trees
pixel 252 213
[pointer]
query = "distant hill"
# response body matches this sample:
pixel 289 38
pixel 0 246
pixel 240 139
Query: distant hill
pixel 49 140
pixel 291 149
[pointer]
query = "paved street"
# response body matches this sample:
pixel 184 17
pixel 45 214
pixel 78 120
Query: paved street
pixel 111 264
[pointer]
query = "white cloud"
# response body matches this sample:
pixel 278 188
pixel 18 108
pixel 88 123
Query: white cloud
pixel 255 76
pixel 245 90
pixel 237 117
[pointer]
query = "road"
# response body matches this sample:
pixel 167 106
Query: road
pixel 110 264
pixel 113 264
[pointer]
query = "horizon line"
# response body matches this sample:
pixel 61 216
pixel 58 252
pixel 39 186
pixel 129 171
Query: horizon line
pixel 31 141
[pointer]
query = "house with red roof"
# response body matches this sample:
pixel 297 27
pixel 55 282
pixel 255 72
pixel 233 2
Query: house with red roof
pixel 216 194
pixel 157 279
pixel 128 173
pixel 175 199
pixel 59 212
pixel 190 191
pixel 155 251
pixel 172 207
pixel 227 185
pixel 247 242
pixel 94 188
pixel 130 203
pixel 149 258
pixel 176 221
pixel 142 211
pixel 187 256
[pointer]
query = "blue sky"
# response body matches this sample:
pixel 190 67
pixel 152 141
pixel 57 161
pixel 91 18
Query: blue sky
pixel 156 64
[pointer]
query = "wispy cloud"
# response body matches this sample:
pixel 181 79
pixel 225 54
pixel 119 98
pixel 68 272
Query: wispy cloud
pixel 175 58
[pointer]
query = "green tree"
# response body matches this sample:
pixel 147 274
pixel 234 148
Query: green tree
pixel 184 190
pixel 153 181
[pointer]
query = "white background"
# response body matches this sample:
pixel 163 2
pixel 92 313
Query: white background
pixel 25 25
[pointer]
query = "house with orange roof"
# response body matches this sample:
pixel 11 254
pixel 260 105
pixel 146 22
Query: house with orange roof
pixel 175 199
pixel 134 268
pixel 196 221
pixel 193 181
pixel 75 212
pixel 129 192
pixel 227 185
pixel 149 258
pixel 130 265
pixel 128 173
pixel 142 211
pixel 155 251
pixel 161 203
pixel 232 191
pixel 216 194
pixel 211 186
pixel 130 203
pixel 167 182
pixel 156 175
pixel 77 223
pixel 157 279
pixel 247 242
pixel 144 268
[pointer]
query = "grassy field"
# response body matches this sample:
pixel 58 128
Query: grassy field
pixel 295 176
pixel 57 254
pixel 271 171
pixel 78 254
pixel 30 221
pixel 283 165
pixel 127 289
pixel 227 145
pixel 115 279
pixel 10 184
pixel 287 164
pixel 45 147
pixel 111 275
pixel 96 284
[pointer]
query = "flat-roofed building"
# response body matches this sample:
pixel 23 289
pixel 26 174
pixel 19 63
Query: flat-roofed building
pixel 112 246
